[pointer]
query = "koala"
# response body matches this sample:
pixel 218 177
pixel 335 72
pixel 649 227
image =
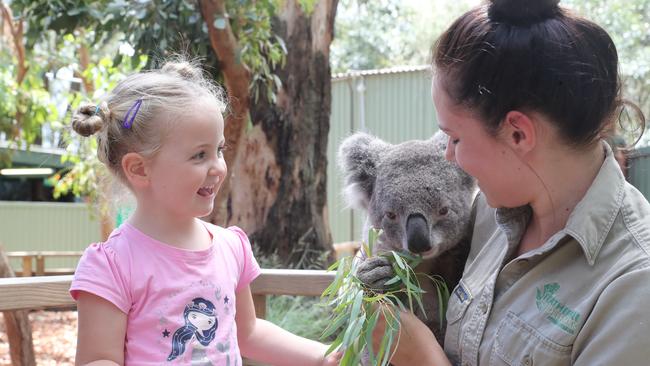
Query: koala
pixel 420 201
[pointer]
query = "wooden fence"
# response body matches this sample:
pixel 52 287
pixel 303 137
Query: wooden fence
pixel 21 293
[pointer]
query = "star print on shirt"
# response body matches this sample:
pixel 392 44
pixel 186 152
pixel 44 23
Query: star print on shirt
pixel 225 299
pixel 166 333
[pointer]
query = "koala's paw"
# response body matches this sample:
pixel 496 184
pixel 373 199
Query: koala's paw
pixel 375 272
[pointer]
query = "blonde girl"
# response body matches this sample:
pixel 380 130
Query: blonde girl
pixel 167 287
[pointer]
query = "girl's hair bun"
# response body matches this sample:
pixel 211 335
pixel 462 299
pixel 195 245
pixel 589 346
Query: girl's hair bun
pixel 184 69
pixel 522 11
pixel 89 118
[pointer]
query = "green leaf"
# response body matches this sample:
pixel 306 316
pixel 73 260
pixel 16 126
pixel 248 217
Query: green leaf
pixel 399 261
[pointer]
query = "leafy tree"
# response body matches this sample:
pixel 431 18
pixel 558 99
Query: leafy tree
pixel 26 103
pixel 385 33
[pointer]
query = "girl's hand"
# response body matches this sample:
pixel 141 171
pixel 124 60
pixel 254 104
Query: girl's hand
pixel 333 359
pixel 415 345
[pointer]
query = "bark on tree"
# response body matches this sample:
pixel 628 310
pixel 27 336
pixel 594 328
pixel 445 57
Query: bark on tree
pixel 278 171
pixel 19 330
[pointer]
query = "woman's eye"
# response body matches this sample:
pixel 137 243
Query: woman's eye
pixel 443 211
pixel 391 215
pixel 200 155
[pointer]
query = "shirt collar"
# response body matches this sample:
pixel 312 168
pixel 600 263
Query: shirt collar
pixel 591 219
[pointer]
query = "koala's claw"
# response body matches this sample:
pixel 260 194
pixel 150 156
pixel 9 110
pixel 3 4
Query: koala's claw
pixel 375 272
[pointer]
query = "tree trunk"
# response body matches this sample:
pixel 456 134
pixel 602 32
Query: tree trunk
pixel 19 331
pixel 284 165
pixel 276 190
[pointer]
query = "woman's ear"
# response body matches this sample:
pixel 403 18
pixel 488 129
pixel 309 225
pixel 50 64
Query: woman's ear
pixel 134 168
pixel 518 131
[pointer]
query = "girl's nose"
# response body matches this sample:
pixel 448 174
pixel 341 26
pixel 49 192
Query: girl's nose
pixel 449 151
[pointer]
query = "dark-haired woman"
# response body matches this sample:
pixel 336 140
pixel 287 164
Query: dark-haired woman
pixel 559 270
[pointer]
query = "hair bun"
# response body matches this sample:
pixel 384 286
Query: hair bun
pixel 184 69
pixel 88 118
pixel 522 11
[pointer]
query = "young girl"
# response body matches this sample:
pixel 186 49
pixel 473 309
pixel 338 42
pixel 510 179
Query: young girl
pixel 166 287
pixel 559 268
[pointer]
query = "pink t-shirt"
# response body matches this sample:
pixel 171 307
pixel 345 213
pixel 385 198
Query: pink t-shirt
pixel 180 304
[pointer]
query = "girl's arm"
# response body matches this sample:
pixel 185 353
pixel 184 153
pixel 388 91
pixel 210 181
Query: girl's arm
pixel 266 342
pixel 101 331
pixel 416 344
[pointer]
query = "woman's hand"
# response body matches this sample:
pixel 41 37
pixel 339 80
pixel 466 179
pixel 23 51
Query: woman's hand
pixel 415 344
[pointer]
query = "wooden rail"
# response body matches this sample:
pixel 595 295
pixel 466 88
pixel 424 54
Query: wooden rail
pixel 28 258
pixel 52 291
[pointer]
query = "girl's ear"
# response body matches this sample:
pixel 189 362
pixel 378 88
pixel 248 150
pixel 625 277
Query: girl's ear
pixel 134 167
pixel 518 131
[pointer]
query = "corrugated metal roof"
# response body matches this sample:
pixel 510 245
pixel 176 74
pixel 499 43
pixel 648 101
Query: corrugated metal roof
pixel 391 70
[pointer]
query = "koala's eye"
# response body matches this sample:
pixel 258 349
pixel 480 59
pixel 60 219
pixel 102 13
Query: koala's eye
pixel 443 211
pixel 390 215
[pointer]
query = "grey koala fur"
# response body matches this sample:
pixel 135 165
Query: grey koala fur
pixel 420 201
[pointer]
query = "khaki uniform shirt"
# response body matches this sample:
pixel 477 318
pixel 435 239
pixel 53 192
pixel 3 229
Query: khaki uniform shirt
pixel 582 298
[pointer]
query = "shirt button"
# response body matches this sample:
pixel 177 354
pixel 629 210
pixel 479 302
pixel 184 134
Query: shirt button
pixel 527 361
pixel 483 307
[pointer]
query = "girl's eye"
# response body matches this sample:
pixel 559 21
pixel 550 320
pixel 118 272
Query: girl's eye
pixel 200 155
pixel 221 150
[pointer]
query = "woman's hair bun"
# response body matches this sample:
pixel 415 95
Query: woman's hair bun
pixel 184 69
pixel 522 11
pixel 89 118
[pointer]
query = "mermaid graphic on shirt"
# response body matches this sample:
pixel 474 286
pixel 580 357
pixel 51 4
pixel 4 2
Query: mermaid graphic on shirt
pixel 200 328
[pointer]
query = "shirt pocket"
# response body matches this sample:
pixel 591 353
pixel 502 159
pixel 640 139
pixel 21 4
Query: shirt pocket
pixel 459 301
pixel 518 343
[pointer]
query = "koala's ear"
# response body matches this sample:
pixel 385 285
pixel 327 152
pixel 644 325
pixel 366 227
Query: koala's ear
pixel 439 141
pixel 358 157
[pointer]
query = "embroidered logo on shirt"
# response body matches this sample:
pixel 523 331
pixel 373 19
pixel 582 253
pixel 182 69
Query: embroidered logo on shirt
pixel 461 292
pixel 556 312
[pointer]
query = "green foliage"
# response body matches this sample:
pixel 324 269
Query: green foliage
pixel 25 106
pixel 386 33
pixel 372 35
pixel 161 28
pixel 358 308
pixel 301 315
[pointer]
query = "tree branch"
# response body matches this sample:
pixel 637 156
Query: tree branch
pixel 16 30
pixel 237 77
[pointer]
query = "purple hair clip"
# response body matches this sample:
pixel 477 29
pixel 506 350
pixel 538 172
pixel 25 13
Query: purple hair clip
pixel 131 113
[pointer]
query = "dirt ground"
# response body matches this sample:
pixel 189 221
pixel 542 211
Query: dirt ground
pixel 54 334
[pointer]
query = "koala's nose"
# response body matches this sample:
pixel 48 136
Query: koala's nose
pixel 417 234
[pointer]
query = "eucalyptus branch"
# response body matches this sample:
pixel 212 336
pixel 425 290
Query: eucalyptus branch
pixel 357 307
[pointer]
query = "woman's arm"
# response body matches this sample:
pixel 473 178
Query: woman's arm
pixel 266 342
pixel 101 332
pixel 416 344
